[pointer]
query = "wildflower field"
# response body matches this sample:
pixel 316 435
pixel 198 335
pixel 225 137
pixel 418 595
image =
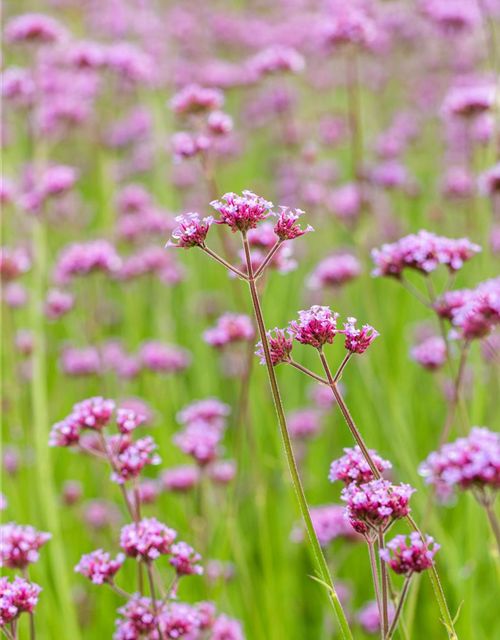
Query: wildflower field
pixel 250 320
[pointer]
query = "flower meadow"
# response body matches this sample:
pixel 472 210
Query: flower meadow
pixel 250 320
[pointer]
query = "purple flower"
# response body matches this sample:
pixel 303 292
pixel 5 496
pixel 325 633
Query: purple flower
pixel 410 554
pixel 369 617
pixel 335 271
pixel 219 123
pixel 128 420
pixel 210 410
pixel 352 467
pixel 99 567
pixel 164 358
pixel 147 539
pixel 304 424
pixel 431 353
pixel 180 479
pixel 222 471
pixel 229 328
pixel 225 628
pixel 277 59
pixel 242 213
pixel 358 340
pixel 330 523
pixel 13 263
pixel 58 303
pixel 199 440
pixel 35 28
pixel 19 545
pixel 286 227
pixel 139 620
pixel 194 99
pixel 133 457
pixel 185 560
pixel 190 232
pixel 315 327
pixel 81 259
pixel 280 346
pixel 377 503
pixel 16 597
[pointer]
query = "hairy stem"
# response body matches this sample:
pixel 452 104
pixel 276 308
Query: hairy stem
pixel 318 552
pixel 374 569
pixel 152 593
pixel 399 610
pixel 384 621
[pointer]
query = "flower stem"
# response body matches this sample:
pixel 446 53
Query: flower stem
pixel 267 259
pixel 384 584
pixel 309 373
pixel 226 264
pixel 373 566
pixel 397 615
pixel 495 524
pixel 152 593
pixel 318 552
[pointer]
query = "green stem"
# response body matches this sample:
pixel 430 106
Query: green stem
pixel 40 416
pixel 318 552
pixel 384 620
pixel 397 615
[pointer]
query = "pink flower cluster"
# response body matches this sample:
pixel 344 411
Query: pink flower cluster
pixel 430 353
pixel 185 560
pixel 315 327
pixel 304 424
pixel 242 213
pixel 376 504
pixel 352 467
pixel 472 463
pixel 191 232
pixel 132 457
pixel 99 567
pixel 194 99
pixel 287 228
pixel 81 259
pixel 358 340
pixel 280 346
pixel 335 271
pixel 277 59
pixel 58 303
pixel 330 523
pixel 20 545
pixel 180 479
pixel 410 554
pixel 164 358
pixel 424 252
pixel 230 328
pixel 205 423
pixel 13 263
pixel 147 539
pixel 36 28
pixel 17 597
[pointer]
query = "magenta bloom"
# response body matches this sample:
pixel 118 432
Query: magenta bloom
pixel 180 620
pixel 468 463
pixel 286 227
pixel 304 424
pixel 219 123
pixel 229 328
pixel 277 59
pixel 194 99
pixel 352 467
pixel 180 479
pixel 94 413
pixel 147 540
pixel 330 523
pixel 431 353
pixel 315 327
pixel 139 620
pixel 81 362
pixel 222 471
pixel 99 567
pixel 164 358
pixel 227 629
pixel 410 554
pixel 369 617
pixel 199 440
pixel 13 263
pixel 280 346
pixel 185 560
pixel 16 597
pixel 423 252
pixel 479 313
pixel 190 232
pixel 19 545
pixel 128 420
pixel 81 259
pixel 35 28
pixel 210 410
pixel 489 181
pixel 242 213
pixel 377 503
pixel 469 101
pixel 64 434
pixel 58 179
pixel 132 459
pixel 358 340
pixel 348 25
pixel 58 303
pixel 335 271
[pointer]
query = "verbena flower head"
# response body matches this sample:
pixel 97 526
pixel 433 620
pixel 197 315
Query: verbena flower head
pixel 280 346
pixel 423 252
pixel 139 619
pixel 164 358
pixel 304 424
pixel 64 434
pixel 377 503
pixel 147 539
pixel 242 213
pixel 335 271
pixel 349 25
pixel 199 440
pixel 469 101
pixel 58 303
pixel 315 327
pixel 229 328
pixel 286 227
pixel 219 123
pixel 276 59
pixel 210 410
pixel 222 471
pixel 471 463
pixel 17 597
pixel 99 567
pixel 191 232
pixel 180 479
pixel 185 560
pixel 369 617
pixel 180 620
pixel 94 413
pixel 479 313
pixel 352 467
pixel 410 554
pixel 431 353
pixel 36 28
pixel 19 545
pixel 127 420
pixel 133 458
pixel 81 259
pixel 330 523
pixel 227 629
pixel 13 263
pixel 358 340
pixel 195 99
pixel 489 181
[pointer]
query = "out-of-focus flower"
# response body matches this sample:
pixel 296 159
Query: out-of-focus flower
pixel 58 303
pixel 369 617
pixel 431 353
pixel 277 59
pixel 164 358
pixel 222 471
pixel 99 567
pixel 194 99
pixel 20 545
pixel 335 271
pixel 180 479
pixel 81 259
pixel 330 523
pixel 185 560
pixel 225 628
pixel 147 539
pixel 304 424
pixel 199 440
pixel 209 410
pixel 37 28
pixel 13 263
pixel 229 328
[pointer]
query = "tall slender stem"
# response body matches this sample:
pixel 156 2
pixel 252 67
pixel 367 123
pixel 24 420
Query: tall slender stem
pixel 152 593
pixel 495 525
pixel 318 552
pixel 456 395
pixel 399 610
pixel 373 566
pixel 226 264
pixel 384 585
pixel 309 373
pixel 267 259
